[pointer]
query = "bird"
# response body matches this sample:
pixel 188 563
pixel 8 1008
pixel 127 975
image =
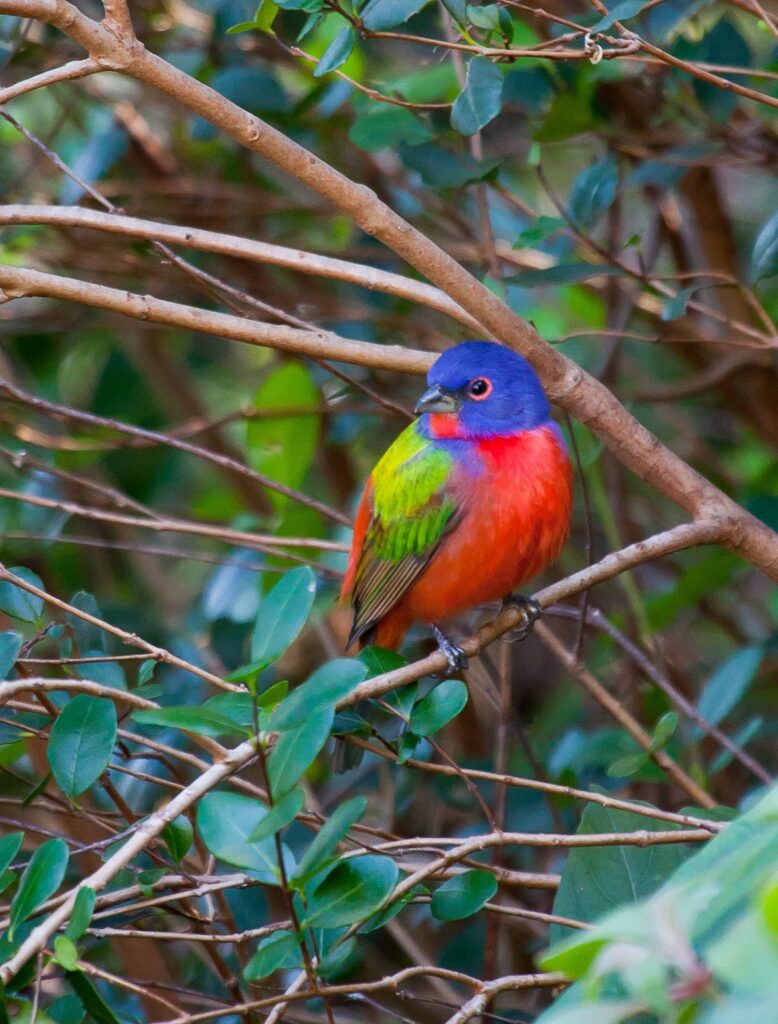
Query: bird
pixel 469 502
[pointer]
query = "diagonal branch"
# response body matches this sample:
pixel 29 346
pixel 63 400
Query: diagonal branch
pixel 581 394
pixel 242 248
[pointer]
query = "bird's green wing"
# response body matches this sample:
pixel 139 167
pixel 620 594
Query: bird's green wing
pixel 412 508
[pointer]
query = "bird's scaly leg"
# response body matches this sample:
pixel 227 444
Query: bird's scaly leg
pixel 455 656
pixel 530 609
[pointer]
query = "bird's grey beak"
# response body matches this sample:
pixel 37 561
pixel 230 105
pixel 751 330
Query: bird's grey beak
pixel 437 399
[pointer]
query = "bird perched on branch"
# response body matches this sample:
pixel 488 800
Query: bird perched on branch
pixel 469 502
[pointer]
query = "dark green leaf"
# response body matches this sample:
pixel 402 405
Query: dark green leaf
pixel 438 707
pixel 93 1002
pixel 598 879
pixel 81 743
pixel 18 603
pixel 562 273
pixel 385 126
pixel 10 645
pixel 352 891
pixel 279 951
pixel 178 837
pixel 764 261
pixel 283 614
pixel 728 684
pixel 676 307
pixel 622 11
pixel 337 53
pixel 379 15
pixel 9 847
pixel 66 1010
pixel 225 822
pixel 279 816
pixel 569 115
pixel 463 895
pixel 82 913
pixel 201 720
pixel 323 689
pixel 42 877
pixel 593 192
pixel 233 590
pixel 328 837
pixel 296 750
pixel 481 98
pixel 95 159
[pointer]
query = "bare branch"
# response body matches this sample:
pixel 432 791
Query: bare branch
pixel 232 245
pixel 66 73
pixel 580 393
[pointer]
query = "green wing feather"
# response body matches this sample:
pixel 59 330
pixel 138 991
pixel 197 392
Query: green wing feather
pixel 412 511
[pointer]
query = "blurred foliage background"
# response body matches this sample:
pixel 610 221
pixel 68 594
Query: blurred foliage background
pixel 623 203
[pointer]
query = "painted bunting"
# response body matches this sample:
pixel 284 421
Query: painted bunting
pixel 468 503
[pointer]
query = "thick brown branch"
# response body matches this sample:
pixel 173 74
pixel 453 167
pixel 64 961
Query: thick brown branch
pixel 581 394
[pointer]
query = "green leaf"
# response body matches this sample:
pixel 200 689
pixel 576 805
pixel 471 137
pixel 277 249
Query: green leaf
pixel 323 689
pixel 65 952
pixel 745 957
pixel 598 879
pixel 225 822
pixel 463 895
pixel 82 913
pixel 10 645
pixel 622 11
pixel 41 878
pixel 728 684
pixel 562 273
pixel 328 837
pixel 9 847
pixel 665 728
pixel 283 614
pixel 282 447
pixel 200 720
pixel 279 951
pixel 18 603
pixel 81 743
pixel 569 115
pixel 764 260
pixel 379 15
pixel 438 707
pixel 66 1010
pixel 352 891
pixel 337 53
pixel 676 307
pixel 385 126
pixel 296 750
pixel 599 1012
pixel 178 837
pixel 93 1002
pixel 486 17
pixel 593 192
pixel 481 98
pixel 279 816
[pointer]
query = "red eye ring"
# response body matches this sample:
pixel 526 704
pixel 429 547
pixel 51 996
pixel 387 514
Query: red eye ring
pixel 479 388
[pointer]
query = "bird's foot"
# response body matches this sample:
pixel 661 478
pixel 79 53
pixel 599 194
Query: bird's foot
pixel 455 656
pixel 530 609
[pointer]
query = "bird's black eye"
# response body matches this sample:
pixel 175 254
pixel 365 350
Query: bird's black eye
pixel 480 388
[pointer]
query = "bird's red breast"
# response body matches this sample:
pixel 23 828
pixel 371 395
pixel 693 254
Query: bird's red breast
pixel 515 497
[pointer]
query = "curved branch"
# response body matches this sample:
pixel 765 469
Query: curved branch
pixel 581 394
pixel 18 283
pixel 242 248
pixel 66 73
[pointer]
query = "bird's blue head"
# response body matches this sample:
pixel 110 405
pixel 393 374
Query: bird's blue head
pixel 480 390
